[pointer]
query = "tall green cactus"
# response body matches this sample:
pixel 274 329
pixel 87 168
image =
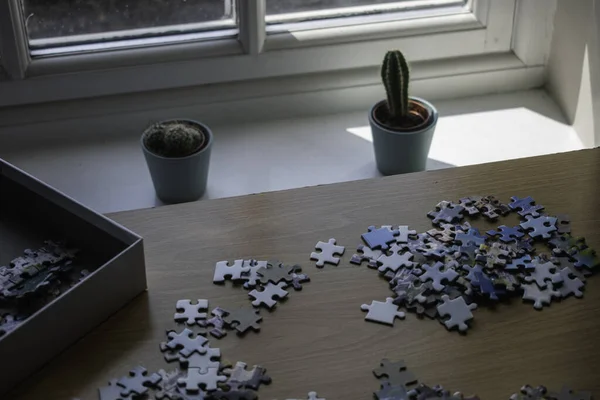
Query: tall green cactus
pixel 395 75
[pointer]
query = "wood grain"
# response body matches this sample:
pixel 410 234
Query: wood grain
pixel 317 339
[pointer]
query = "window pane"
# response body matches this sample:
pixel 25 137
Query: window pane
pixel 293 6
pixel 65 18
pixel 279 11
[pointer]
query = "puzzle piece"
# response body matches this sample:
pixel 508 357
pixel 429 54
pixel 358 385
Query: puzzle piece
pixel 472 236
pixel 458 310
pixel 542 272
pixel 567 393
pixel 216 322
pixel 496 254
pixel 529 393
pixel 234 272
pixel 564 262
pixel 112 392
pixel 298 279
pixel 403 233
pixel 395 373
pixel 525 206
pixel 391 392
pixel 168 385
pixel 540 227
pixel 268 295
pixel 368 255
pixel 241 378
pixel 586 258
pixel 395 260
pixel 469 205
pixel 379 237
pixel 311 396
pixel 384 313
pixel 138 382
pixel 446 234
pixel 186 342
pixel 437 276
pixel 563 224
pixel 327 254
pixel 243 319
pixel 486 286
pixel 521 247
pixel 451 213
pixel 252 278
pixel 539 296
pixel 196 380
pixel 507 234
pixel 566 244
pixel 209 358
pixel 508 281
pixel 523 262
pixel 191 313
pixel 275 274
pixel 570 286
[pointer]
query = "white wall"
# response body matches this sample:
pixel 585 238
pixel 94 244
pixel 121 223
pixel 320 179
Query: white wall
pixel 573 76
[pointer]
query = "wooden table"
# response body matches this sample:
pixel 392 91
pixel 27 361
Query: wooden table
pixel 318 339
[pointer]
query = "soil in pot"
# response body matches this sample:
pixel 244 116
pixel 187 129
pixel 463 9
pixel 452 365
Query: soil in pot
pixel 418 117
pixel 175 139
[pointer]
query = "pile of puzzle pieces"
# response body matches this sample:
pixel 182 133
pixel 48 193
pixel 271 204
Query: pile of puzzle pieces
pixel 397 383
pixel 267 279
pixel 31 281
pixel 201 374
pixel 445 272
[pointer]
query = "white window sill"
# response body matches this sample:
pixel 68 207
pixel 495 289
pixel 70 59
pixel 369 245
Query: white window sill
pixel 275 155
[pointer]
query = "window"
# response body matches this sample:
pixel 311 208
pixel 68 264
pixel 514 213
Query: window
pixel 69 49
pixel 55 24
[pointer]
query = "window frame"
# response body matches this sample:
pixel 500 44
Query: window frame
pixel 253 55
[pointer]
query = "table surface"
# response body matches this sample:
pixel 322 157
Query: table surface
pixel 318 339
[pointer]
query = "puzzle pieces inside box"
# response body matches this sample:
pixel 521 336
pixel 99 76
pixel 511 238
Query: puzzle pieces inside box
pixel 327 254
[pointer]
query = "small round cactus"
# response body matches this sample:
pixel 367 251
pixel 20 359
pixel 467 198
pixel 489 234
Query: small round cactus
pixel 174 139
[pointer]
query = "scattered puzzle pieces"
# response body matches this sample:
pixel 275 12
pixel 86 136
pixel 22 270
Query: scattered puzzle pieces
pixel 327 254
pixel 458 311
pixel 191 313
pixel 269 295
pixel 384 313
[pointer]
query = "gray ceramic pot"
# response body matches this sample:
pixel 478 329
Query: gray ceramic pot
pixel 180 180
pixel 402 151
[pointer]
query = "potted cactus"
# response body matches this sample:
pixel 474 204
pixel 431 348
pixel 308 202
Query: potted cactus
pixel 402 126
pixel 178 154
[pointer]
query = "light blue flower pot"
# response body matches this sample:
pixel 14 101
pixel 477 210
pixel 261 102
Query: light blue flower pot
pixel 398 151
pixel 183 179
